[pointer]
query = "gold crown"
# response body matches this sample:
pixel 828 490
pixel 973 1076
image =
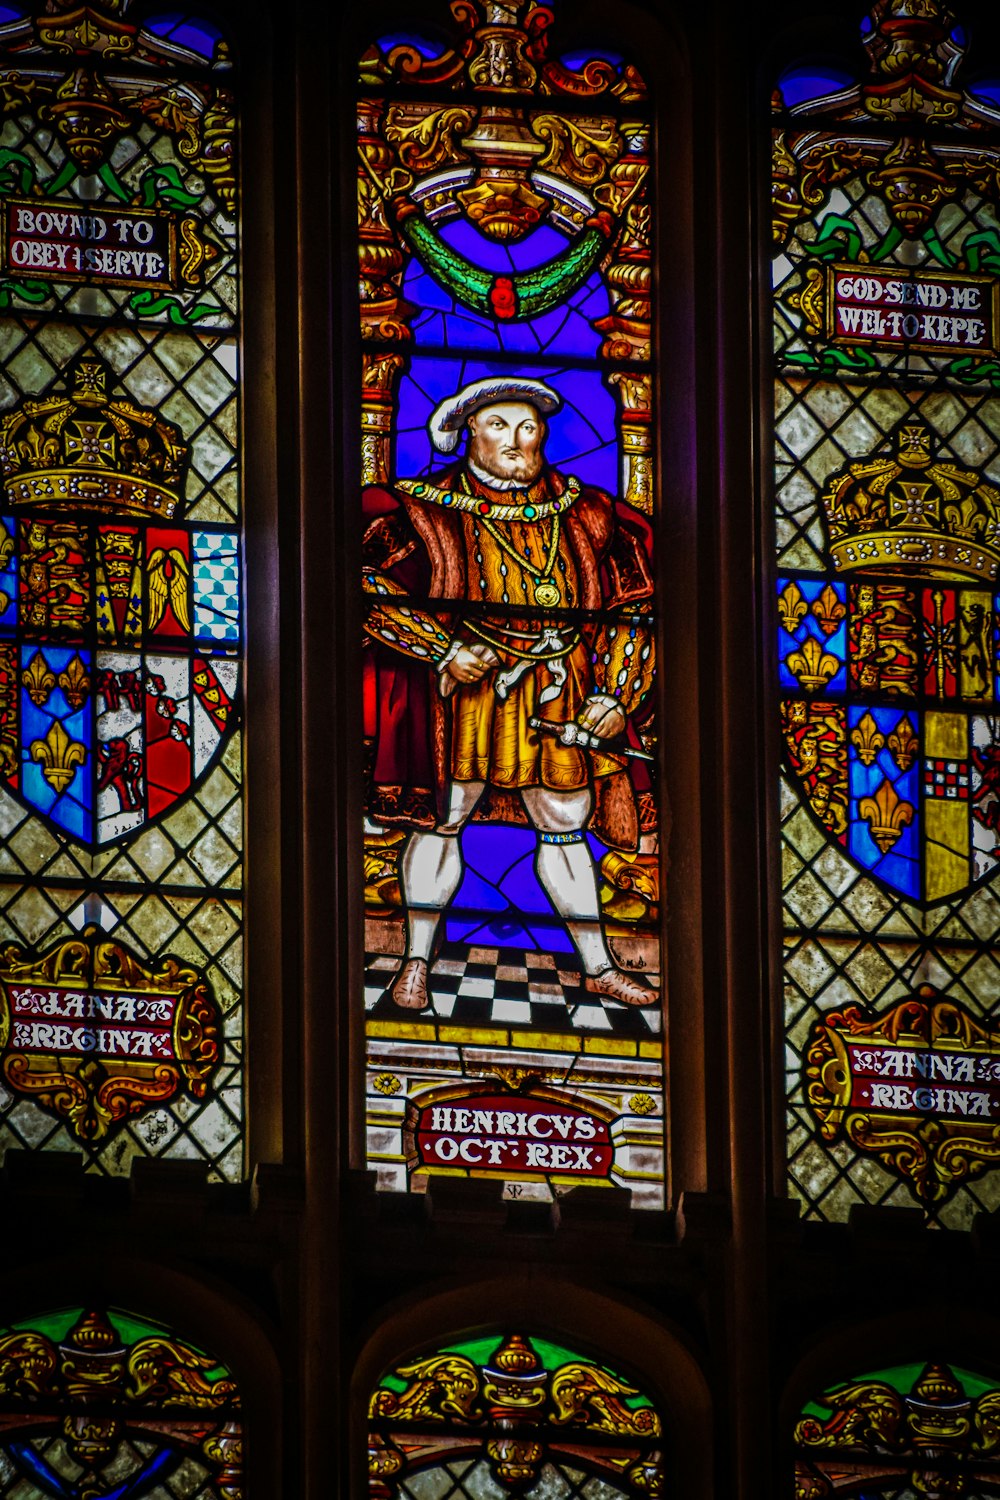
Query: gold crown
pixel 86 452
pixel 907 512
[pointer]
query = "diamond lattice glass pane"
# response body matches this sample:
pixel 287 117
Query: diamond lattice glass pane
pixel 887 511
pixel 120 595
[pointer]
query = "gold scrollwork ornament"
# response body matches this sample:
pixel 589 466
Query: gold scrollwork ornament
pixel 89 1089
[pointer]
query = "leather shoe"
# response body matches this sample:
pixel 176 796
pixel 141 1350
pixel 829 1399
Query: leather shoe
pixel 622 987
pixel 410 988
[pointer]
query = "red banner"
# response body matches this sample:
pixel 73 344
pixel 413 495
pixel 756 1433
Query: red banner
pixel 64 241
pixel 510 1133
pixel 865 305
pixel 81 1023
pixel 917 1081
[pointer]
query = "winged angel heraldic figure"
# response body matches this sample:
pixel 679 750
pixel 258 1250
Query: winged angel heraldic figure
pixel 505 682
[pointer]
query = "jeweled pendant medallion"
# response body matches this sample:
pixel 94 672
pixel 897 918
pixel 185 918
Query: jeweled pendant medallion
pixel 546 593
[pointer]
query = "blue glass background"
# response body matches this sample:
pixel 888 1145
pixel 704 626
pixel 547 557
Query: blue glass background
pixel 444 323
pixel 987 89
pixel 581 438
pixel 500 892
pixel 835 644
pixel 8 581
pixel 900 867
pixel 812 81
pixel 576 60
pixel 186 30
pixel 420 43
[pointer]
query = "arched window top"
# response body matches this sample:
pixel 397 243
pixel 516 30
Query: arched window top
pixel 502 47
pixel 100 1401
pixel 917 74
pixel 511 1410
pixel 929 1425
pixel 186 37
pixel 123 33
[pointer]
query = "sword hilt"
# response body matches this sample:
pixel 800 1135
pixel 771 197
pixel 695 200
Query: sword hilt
pixel 571 734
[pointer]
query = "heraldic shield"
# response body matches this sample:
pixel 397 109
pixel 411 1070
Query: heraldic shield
pixel 889 670
pixel 119 623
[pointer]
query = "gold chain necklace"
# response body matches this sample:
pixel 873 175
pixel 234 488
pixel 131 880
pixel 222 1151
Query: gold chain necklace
pixel 546 591
pixel 540 510
pixel 532 656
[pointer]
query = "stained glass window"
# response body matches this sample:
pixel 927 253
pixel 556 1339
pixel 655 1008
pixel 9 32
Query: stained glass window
pixel 120 588
pixel 915 1429
pixel 483 1418
pixel 887 527
pixel 512 900
pixel 101 1402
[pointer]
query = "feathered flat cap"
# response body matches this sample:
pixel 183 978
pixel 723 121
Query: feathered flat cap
pixel 445 426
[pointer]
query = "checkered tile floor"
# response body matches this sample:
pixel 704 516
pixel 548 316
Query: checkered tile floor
pixel 507 987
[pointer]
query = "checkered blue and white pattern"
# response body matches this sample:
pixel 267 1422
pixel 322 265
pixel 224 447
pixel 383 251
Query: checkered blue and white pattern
pixel 216 582
pixel 471 986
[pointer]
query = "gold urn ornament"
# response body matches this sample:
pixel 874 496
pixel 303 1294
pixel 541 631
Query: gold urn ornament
pixel 515 1380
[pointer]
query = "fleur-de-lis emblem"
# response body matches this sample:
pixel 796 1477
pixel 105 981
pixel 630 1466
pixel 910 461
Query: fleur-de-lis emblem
pixel 903 744
pixel 75 683
pixel 58 756
pixel 829 610
pixel 886 814
pixel 792 608
pixel 868 740
pixel 812 666
pixel 966 519
pixel 38 680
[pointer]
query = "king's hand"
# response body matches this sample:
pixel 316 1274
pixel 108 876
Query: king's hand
pixel 467 663
pixel 601 716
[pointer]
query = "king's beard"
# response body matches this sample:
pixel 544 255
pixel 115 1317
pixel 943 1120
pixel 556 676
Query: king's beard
pixel 523 470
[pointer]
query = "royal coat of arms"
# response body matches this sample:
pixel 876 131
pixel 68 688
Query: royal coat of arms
pixel 119 624
pixel 889 671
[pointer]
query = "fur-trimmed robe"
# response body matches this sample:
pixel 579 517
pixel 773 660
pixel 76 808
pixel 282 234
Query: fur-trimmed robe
pixel 419 545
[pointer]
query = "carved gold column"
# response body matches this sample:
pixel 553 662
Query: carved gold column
pixel 216 153
pixel 378 379
pixel 635 393
pixel 382 309
pixel 627 329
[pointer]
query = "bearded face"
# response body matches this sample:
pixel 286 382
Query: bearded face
pixel 507 440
